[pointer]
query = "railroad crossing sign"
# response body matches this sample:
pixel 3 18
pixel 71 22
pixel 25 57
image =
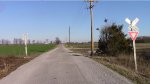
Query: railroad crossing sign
pixel 133 32
pixel 132 24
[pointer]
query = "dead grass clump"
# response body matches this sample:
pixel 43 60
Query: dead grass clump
pixel 124 65
pixel 9 64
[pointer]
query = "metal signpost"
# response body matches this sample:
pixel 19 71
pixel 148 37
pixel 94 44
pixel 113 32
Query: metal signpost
pixel 133 32
pixel 25 38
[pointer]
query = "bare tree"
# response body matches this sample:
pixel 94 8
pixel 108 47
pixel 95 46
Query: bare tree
pixel 57 40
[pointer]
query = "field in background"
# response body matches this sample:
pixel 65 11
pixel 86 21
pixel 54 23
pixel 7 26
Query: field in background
pixel 81 45
pixel 142 45
pixel 87 45
pixel 123 64
pixel 13 56
pixel 19 51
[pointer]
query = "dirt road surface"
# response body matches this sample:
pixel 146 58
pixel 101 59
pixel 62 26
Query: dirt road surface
pixel 60 66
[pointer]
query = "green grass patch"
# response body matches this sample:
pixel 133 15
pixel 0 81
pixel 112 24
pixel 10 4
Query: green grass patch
pixel 19 50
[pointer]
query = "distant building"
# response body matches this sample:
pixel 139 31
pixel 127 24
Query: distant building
pixel 18 41
pixel 46 41
pixel 33 42
pixel 5 42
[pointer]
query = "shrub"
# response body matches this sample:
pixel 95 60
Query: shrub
pixel 113 41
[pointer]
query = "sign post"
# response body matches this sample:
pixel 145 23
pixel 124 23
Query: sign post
pixel 25 38
pixel 133 32
pixel 135 55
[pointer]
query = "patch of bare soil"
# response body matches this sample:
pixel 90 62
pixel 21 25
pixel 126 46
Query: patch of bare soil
pixel 9 64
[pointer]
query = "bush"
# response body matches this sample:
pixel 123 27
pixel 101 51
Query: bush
pixel 113 41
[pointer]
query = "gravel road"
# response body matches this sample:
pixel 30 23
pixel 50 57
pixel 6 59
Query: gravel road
pixel 61 66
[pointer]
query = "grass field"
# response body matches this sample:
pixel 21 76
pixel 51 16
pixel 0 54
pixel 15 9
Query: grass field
pixel 18 50
pixel 87 45
pixel 142 45
pixel 13 56
pixel 81 45
pixel 123 64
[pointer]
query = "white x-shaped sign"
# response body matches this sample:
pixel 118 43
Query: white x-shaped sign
pixel 25 38
pixel 132 24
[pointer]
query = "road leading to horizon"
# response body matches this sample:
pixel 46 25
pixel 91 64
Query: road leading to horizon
pixel 60 66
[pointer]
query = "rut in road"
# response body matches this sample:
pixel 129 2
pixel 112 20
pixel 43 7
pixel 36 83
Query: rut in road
pixel 61 67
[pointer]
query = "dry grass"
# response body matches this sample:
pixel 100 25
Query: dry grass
pixel 5 68
pixel 9 64
pixel 80 45
pixel 124 64
pixel 142 45
pixel 9 60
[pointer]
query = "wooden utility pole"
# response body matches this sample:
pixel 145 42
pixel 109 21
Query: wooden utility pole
pixel 69 34
pixel 91 15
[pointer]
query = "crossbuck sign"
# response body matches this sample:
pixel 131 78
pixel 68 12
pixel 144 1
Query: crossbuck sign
pixel 133 32
pixel 25 39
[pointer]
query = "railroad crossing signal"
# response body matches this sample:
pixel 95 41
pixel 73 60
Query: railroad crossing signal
pixel 132 24
pixel 133 34
pixel 133 28
pixel 25 38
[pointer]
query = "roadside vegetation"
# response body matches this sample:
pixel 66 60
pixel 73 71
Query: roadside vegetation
pixel 115 51
pixel 123 64
pixel 18 50
pixel 80 45
pixel 12 56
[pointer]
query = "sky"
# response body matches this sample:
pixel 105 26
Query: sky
pixel 50 19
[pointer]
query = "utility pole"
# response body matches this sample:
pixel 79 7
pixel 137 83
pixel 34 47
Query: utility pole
pixel 69 34
pixel 91 15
